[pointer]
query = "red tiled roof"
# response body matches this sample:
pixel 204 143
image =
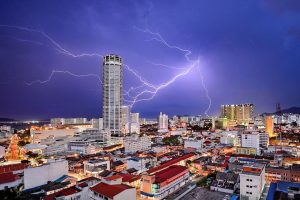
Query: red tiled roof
pixel 8 177
pixel 13 167
pixel 68 191
pixel 174 161
pixel 114 177
pixel 168 173
pixel 109 190
pixel 64 192
pixel 83 184
pixel 129 178
pixel 89 179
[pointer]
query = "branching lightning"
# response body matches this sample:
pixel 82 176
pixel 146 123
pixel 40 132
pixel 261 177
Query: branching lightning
pixel 146 91
pixel 63 72
pixel 56 46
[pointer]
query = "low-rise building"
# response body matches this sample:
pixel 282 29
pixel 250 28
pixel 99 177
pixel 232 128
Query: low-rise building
pixel 136 143
pixel 105 191
pixel 246 150
pixel 38 176
pixel 164 182
pixel 225 182
pixel 252 181
pixel 194 143
pixel 93 167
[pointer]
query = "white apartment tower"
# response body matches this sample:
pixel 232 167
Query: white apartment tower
pixel 112 97
pixel 162 121
pixel 125 119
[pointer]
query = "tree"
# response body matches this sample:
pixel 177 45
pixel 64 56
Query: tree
pixel 171 140
pixel 294 124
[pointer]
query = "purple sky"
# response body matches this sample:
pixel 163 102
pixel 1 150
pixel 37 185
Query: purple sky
pixel 249 52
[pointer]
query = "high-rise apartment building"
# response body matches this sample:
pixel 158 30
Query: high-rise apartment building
pixel 162 121
pixel 135 123
pixel 242 113
pixel 125 119
pixel 269 126
pixel 112 93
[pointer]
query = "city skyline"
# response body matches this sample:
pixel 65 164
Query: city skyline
pixel 186 55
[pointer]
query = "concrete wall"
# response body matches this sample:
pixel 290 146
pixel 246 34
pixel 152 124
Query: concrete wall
pixel 37 176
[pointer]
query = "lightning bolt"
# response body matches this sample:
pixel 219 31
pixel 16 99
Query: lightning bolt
pixel 56 45
pixel 151 90
pixel 195 63
pixel 63 72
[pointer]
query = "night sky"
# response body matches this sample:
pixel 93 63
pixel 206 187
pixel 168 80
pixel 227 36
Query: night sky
pixel 249 51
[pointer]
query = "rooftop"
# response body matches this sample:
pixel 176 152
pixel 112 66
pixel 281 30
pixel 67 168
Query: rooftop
pixel 253 169
pixel 12 167
pixel 169 163
pixel 109 190
pixel 8 177
pixel 168 173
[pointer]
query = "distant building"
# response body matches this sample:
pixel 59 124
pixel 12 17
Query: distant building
pixel 269 126
pixel 97 123
pixel 230 138
pixel 252 181
pixel 242 113
pixel 112 93
pixel 162 121
pixel 93 167
pixel 82 147
pixel 246 150
pixel 251 140
pixel 125 119
pixel 135 123
pixel 136 143
pixel 67 121
pixel 194 143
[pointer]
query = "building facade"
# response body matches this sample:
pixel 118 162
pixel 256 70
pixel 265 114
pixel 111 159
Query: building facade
pixel 252 181
pixel 162 121
pixel 242 113
pixel 112 88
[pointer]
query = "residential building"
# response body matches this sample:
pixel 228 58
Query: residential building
pixel 269 126
pixel 125 119
pixel 246 150
pixel 252 181
pixel 162 121
pixel 93 167
pixel 251 140
pixel 136 143
pixel 225 182
pixel 195 143
pixel 135 123
pixel 242 113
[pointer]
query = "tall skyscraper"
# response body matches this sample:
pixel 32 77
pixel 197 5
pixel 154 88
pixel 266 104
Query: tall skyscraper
pixel 112 97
